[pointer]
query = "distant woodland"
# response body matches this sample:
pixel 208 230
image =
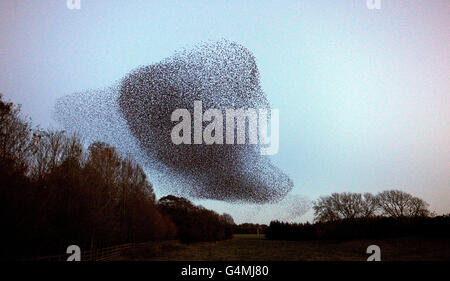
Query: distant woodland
pixel 340 216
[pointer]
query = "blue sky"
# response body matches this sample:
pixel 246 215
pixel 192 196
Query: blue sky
pixel 363 94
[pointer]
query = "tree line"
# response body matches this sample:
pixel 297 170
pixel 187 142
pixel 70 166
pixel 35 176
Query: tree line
pixel 54 192
pixel 249 228
pixel 348 205
pixel 354 216
pixel 196 223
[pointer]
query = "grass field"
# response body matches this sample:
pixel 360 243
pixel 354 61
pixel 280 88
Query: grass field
pixel 249 247
pixel 249 236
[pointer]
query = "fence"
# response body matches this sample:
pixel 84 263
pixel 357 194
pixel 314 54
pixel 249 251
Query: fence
pixel 103 254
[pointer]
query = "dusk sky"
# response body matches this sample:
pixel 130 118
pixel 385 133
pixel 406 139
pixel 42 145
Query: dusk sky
pixel 363 95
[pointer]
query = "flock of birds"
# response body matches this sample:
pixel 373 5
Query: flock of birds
pixel 135 116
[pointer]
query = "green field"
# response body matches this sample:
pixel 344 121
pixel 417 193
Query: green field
pixel 249 236
pixel 249 247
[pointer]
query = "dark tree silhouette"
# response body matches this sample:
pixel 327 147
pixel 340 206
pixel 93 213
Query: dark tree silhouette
pixel 396 203
pixel 195 223
pixel 344 205
pixel 54 193
pixel 354 216
pixel 228 218
pixel 393 203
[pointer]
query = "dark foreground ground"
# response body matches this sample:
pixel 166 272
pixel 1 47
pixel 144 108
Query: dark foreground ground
pixel 251 248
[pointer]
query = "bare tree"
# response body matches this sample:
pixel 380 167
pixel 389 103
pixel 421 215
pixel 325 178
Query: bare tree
pixel 15 135
pixel 324 209
pixel 345 205
pixel 370 205
pixel 418 208
pixel 51 148
pixel 337 206
pixel 397 203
